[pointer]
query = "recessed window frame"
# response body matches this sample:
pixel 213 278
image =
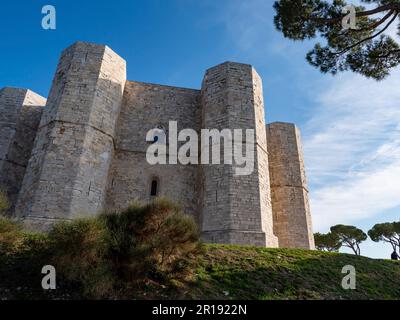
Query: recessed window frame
pixel 154 186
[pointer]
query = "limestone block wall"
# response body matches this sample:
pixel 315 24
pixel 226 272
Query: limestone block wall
pixel 145 107
pixel 89 151
pixel 68 170
pixel 236 209
pixel 20 112
pixel 292 217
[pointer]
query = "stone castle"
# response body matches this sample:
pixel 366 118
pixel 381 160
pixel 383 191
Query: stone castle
pixel 83 151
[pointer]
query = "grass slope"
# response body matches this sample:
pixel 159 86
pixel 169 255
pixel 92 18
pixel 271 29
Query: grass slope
pixel 233 272
pixel 257 273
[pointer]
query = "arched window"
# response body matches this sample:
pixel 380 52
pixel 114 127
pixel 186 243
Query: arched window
pixel 154 187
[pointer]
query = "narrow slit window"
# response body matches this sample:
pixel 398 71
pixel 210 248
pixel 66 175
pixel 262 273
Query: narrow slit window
pixel 154 188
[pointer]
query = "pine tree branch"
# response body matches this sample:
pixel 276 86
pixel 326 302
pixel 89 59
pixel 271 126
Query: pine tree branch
pixel 370 27
pixel 368 38
pixel 387 7
pixel 388 54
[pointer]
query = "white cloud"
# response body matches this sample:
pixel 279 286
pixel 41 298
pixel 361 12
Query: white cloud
pixel 352 149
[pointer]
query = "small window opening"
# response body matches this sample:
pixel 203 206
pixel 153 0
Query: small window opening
pixel 154 188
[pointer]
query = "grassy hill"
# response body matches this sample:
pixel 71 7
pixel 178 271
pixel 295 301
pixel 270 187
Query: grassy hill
pixel 258 273
pixel 233 272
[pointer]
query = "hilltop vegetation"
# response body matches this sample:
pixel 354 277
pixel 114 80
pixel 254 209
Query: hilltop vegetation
pixel 227 272
pixel 152 252
pixel 262 273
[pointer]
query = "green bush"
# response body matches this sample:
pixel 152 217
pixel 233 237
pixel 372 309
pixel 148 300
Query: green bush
pixel 151 241
pixel 125 250
pixel 11 236
pixel 14 240
pixel 79 250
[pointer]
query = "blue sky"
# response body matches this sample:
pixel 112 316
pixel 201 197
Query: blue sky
pixel 350 125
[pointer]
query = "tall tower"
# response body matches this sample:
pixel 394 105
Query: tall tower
pixel 236 209
pixel 68 170
pixel 20 112
pixel 292 217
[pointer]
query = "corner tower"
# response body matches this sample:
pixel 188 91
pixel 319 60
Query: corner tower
pixel 68 170
pixel 236 209
pixel 292 217
pixel 20 112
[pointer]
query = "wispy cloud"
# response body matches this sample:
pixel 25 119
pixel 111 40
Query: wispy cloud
pixel 352 148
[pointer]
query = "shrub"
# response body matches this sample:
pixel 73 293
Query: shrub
pixel 14 240
pixel 151 241
pixel 122 250
pixel 11 236
pixel 79 250
pixel 22 256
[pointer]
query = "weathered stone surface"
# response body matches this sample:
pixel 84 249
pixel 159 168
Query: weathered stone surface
pixel 89 152
pixel 145 107
pixel 236 208
pixel 292 217
pixel 20 112
pixel 68 171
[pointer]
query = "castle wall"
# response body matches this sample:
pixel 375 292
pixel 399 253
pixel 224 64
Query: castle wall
pixel 89 151
pixel 20 112
pixel 68 171
pixel 292 217
pixel 145 107
pixel 236 209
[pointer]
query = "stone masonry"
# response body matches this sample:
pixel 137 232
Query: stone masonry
pixel 236 209
pixel 20 113
pixel 290 206
pixel 84 151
